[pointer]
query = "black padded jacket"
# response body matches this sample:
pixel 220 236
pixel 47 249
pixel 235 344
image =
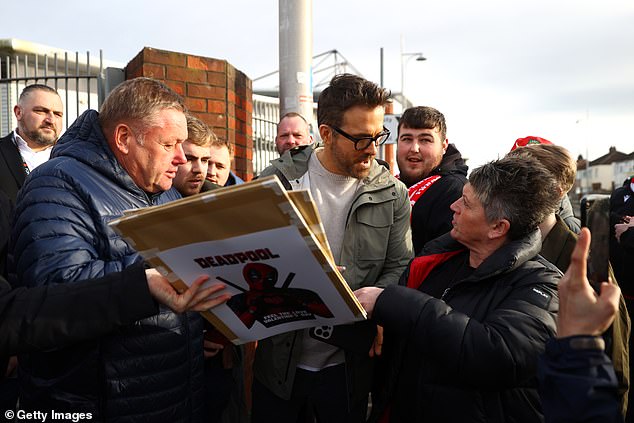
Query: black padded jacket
pixel 151 370
pixel 472 355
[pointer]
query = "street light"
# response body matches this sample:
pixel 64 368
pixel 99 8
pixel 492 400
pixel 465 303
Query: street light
pixel 419 58
pixel 405 58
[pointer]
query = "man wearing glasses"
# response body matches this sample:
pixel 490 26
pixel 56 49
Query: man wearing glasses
pixel 365 212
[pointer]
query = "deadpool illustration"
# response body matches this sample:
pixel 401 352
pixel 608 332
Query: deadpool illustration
pixel 270 305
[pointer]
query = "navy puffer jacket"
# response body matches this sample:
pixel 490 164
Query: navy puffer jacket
pixel 149 371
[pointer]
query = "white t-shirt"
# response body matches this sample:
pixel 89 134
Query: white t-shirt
pixel 333 195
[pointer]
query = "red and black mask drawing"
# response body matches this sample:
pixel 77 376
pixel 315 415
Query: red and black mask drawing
pixel 270 305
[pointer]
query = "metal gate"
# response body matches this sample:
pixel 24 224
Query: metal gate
pixel 78 82
pixel 266 114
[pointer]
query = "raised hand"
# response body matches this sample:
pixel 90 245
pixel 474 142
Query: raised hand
pixel 581 310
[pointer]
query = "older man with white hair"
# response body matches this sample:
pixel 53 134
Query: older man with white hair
pixel 125 157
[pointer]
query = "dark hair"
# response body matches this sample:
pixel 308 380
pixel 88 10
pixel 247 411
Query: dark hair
pixel 344 92
pixel 519 190
pixel 136 102
pixel 33 87
pixel 423 117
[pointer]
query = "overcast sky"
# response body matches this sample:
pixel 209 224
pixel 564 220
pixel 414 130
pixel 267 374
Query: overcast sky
pixel 497 69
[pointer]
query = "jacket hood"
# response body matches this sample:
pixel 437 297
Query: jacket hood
pixel 452 162
pixel 85 142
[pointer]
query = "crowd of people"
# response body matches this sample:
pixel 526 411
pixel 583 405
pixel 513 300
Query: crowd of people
pixel 475 284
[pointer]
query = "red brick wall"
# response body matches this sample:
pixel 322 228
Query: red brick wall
pixel 390 149
pixel 214 91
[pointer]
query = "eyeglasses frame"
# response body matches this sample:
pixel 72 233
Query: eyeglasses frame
pixel 370 140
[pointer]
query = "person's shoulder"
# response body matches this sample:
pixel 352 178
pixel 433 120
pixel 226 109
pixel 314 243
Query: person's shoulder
pixel 450 183
pixel 535 282
pixel 234 179
pixel 563 231
pixel 546 268
pixel 170 195
pixel 209 186
pixel 299 154
pixel 521 258
pixel 61 174
pixel 268 171
pixel 621 190
pixel 8 147
pixel 537 271
pixel 292 163
pixel 381 176
pixel 7 138
pixel 60 166
pixel 456 177
pixel 446 188
pixel 539 287
pixel 64 177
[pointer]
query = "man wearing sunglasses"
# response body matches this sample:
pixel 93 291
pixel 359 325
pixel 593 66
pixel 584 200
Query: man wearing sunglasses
pixel 365 212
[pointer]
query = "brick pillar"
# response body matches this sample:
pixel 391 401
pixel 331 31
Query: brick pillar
pixel 214 91
pixel 390 149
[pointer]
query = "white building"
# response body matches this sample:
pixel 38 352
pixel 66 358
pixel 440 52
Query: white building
pixel 623 169
pixel 606 173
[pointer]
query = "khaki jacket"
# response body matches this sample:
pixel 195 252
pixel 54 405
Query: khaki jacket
pixel 377 246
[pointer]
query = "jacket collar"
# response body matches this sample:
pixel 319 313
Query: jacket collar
pixel 85 142
pixel 507 258
pixel 452 161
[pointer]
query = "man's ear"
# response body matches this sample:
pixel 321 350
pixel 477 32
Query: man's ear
pixel 325 132
pixel 445 144
pixel 17 111
pixel 123 136
pixel 500 229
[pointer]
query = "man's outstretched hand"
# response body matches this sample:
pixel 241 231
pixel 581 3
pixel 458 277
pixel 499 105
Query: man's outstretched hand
pixel 367 297
pixel 195 298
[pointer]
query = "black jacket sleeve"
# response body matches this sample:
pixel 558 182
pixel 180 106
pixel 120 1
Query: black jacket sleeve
pixel 577 382
pixel 497 352
pixel 627 240
pixel 54 316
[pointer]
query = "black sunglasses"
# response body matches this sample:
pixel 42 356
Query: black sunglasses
pixel 362 143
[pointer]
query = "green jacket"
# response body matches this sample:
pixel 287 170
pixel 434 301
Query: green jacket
pixel 558 245
pixel 377 246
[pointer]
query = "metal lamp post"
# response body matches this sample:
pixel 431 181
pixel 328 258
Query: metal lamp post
pixel 406 57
